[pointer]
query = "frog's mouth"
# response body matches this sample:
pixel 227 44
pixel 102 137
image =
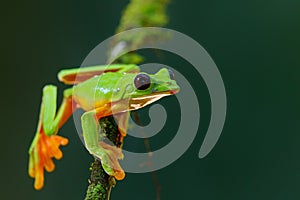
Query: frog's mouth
pixel 139 102
pixel 135 103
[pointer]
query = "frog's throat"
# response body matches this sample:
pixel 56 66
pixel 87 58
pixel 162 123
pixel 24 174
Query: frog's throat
pixel 140 102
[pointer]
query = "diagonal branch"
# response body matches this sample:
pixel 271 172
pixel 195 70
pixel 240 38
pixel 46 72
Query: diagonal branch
pixel 137 14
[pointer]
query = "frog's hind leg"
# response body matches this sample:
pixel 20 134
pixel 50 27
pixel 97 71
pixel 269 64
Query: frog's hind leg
pixel 107 153
pixel 46 143
pixel 78 75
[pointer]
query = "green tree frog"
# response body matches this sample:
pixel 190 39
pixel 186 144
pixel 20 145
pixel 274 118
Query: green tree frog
pixel 100 91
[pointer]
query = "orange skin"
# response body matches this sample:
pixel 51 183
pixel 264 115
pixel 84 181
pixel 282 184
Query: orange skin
pixel 47 148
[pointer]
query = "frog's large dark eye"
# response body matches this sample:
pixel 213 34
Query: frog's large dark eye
pixel 142 81
pixel 171 73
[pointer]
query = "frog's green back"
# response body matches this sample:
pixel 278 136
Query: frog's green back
pixel 102 89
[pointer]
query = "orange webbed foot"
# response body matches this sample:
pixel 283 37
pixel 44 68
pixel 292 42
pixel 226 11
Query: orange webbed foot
pixel 41 153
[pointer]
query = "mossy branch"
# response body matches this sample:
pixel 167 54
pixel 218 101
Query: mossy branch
pixel 138 13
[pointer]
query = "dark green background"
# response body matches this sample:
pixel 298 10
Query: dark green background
pixel 255 45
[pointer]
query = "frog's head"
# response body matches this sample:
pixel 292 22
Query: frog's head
pixel 143 89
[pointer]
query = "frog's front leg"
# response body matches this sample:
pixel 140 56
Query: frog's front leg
pixel 46 143
pixel 108 154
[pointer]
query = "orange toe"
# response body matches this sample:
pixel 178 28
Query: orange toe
pixel 39 178
pixel 41 157
pixel 119 175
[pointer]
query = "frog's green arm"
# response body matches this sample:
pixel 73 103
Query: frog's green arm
pixel 78 75
pixel 51 120
pixel 46 143
pixel 107 153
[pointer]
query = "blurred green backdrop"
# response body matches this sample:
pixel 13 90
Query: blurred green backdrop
pixel 255 44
